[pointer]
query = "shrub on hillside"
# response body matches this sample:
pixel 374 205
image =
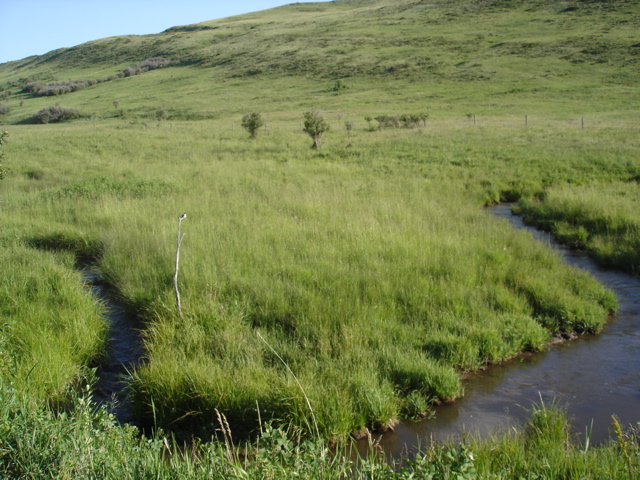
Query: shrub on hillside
pixel 147 65
pixel 315 126
pixel 40 89
pixel 56 113
pixel 385 121
pixel 4 109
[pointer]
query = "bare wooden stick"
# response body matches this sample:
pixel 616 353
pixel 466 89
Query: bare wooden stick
pixel 175 275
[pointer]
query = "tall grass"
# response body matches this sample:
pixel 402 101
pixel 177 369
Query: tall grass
pixel 369 266
pixel 37 443
pixel 600 218
pixel 54 326
pixel 375 260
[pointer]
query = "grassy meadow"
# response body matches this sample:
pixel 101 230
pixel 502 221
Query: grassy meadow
pixel 366 259
pixel 324 292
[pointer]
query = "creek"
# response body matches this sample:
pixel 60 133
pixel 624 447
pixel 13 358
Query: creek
pixel 123 352
pixel 593 377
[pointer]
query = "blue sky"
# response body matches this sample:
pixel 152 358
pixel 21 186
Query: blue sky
pixel 35 27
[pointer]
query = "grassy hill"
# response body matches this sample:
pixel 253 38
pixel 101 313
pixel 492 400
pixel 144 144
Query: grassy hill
pixel 492 57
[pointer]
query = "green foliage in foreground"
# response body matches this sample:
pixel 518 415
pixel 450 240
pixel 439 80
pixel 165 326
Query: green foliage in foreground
pixel 603 219
pixel 37 443
pixel 53 328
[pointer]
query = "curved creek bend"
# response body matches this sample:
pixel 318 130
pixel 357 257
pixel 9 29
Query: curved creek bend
pixel 593 377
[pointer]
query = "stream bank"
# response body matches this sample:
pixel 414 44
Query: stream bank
pixel 593 377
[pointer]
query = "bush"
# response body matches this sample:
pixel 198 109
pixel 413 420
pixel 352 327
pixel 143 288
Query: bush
pixel 40 89
pixel 405 121
pixel 252 122
pixel 147 65
pixel 387 121
pixel 337 87
pixel 162 114
pixel 56 113
pixel 4 109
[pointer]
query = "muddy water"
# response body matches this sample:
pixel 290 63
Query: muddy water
pixel 123 353
pixel 594 377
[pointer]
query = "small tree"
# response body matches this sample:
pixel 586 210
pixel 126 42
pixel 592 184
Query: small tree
pixel 116 104
pixel 162 114
pixel 315 126
pixel 3 140
pixel 348 125
pixel 252 122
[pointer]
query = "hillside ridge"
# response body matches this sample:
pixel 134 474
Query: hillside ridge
pixel 526 41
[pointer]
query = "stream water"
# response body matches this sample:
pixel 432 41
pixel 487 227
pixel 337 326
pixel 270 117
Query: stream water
pixel 124 351
pixel 593 377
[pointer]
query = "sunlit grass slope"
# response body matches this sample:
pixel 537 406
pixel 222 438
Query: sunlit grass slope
pixel 485 57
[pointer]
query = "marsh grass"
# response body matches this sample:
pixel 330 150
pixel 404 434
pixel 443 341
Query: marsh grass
pixel 375 260
pixel 599 218
pixel 54 327
pixel 368 266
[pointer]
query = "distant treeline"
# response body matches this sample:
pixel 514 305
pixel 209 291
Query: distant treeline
pixel 41 89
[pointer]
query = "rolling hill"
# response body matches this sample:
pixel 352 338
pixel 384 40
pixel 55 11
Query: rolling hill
pixel 491 56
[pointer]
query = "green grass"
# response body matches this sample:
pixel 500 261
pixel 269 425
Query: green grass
pixel 346 258
pixel 369 267
pixel 599 218
pixel 53 325
pixel 395 57
pixel 36 443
